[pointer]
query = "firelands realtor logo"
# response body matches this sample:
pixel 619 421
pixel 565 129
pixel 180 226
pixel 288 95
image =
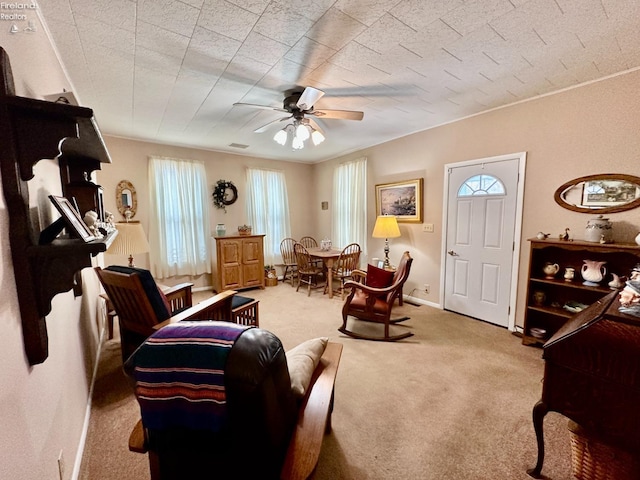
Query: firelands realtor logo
pixel 17 13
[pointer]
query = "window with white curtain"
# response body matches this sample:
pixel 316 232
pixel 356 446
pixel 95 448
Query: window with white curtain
pixel 179 217
pixel 349 214
pixel 268 210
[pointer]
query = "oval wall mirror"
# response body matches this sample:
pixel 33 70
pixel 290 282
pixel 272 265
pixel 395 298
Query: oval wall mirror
pixel 602 193
pixel 126 200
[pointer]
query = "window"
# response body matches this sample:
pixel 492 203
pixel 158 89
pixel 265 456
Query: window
pixel 350 204
pixel 268 210
pixel 179 217
pixel 481 185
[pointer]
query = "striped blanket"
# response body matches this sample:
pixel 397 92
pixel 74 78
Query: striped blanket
pixel 179 375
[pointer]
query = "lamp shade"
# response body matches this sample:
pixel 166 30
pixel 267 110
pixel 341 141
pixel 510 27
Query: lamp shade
pixel 386 227
pixel 130 239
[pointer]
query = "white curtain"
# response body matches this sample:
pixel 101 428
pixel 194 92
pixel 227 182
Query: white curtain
pixel 349 213
pixel 179 217
pixel 268 210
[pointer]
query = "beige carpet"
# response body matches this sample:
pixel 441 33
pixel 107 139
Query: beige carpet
pixel 452 402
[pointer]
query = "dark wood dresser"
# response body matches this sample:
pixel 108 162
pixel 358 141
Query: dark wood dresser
pixel 592 376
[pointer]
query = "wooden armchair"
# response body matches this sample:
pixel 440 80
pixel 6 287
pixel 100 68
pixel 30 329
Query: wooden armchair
pixel 142 308
pixel 262 430
pixel 375 304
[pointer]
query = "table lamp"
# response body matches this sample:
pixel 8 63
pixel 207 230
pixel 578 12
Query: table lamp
pixel 386 227
pixel 130 240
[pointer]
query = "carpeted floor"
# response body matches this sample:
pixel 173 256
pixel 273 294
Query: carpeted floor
pixel 452 402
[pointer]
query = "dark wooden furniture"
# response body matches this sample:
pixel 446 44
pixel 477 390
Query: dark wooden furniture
pixel 592 376
pixel 245 311
pixel 239 262
pixel 140 312
pixel 313 422
pixel 549 315
pixel 43 264
pixel 375 304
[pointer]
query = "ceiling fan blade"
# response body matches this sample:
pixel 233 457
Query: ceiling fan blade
pixel 308 98
pixel 339 114
pixel 264 128
pixel 264 107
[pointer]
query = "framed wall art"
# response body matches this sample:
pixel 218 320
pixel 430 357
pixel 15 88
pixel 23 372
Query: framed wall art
pixel 402 199
pixel 72 218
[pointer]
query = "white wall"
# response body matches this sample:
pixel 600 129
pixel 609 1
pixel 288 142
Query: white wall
pixel 130 162
pixel 587 130
pixel 42 408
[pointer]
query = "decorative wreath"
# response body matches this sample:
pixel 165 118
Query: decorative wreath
pixel 224 193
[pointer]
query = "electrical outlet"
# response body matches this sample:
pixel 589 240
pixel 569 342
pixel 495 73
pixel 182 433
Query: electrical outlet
pixel 426 288
pixel 61 465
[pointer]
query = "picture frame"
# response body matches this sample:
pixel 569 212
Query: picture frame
pixel 401 199
pixel 608 192
pixel 72 218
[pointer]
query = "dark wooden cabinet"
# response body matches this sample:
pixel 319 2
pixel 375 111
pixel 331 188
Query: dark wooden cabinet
pixel 549 298
pixel 239 262
pixel 592 376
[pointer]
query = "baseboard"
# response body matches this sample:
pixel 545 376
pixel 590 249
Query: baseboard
pixel 418 301
pixel 77 464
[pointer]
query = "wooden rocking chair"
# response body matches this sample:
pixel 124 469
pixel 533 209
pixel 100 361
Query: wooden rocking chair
pixel 375 304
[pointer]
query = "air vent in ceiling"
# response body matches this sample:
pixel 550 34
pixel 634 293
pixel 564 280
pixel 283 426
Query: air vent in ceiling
pixel 238 145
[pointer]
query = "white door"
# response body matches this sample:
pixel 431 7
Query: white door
pixel 482 226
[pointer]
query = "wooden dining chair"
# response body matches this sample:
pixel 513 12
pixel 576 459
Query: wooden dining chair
pixel 343 267
pixel 308 272
pixel 289 260
pixel 310 242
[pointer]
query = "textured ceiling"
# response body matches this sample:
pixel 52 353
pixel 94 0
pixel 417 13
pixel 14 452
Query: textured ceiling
pixel 169 71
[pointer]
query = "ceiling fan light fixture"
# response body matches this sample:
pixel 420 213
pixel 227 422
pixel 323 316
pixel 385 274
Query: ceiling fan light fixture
pixel 297 144
pixel 302 132
pixel 317 137
pixel 281 136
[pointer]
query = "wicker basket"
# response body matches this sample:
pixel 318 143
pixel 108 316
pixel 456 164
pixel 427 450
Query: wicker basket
pixel 593 460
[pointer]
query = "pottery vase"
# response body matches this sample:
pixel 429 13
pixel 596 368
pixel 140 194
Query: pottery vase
pixel 221 230
pixel 593 272
pixel 550 269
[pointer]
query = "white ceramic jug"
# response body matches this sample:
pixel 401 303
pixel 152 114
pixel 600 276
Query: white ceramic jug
pixel 593 271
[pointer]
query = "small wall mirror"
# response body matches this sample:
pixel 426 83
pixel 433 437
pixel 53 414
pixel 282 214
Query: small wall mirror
pixel 126 200
pixel 602 193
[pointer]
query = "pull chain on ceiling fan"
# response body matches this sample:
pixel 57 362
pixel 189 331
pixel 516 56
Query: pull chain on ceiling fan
pixel 299 105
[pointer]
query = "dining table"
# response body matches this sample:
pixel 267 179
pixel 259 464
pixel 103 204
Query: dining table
pixel 327 257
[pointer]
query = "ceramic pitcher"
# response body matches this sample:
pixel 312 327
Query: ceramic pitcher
pixel 593 271
pixel 550 269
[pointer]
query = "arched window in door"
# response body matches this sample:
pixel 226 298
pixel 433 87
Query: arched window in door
pixel 481 185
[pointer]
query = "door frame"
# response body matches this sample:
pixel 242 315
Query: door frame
pixel 517 234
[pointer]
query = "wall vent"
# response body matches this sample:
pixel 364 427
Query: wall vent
pixel 238 145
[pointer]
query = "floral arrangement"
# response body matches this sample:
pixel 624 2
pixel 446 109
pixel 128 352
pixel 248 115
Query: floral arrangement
pixel 221 198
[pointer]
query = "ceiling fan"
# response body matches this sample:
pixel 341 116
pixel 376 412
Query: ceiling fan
pixel 299 105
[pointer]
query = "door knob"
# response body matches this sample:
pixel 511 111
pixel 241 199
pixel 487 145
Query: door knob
pixel 452 253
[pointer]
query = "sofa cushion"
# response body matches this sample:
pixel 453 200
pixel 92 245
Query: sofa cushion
pixel 302 360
